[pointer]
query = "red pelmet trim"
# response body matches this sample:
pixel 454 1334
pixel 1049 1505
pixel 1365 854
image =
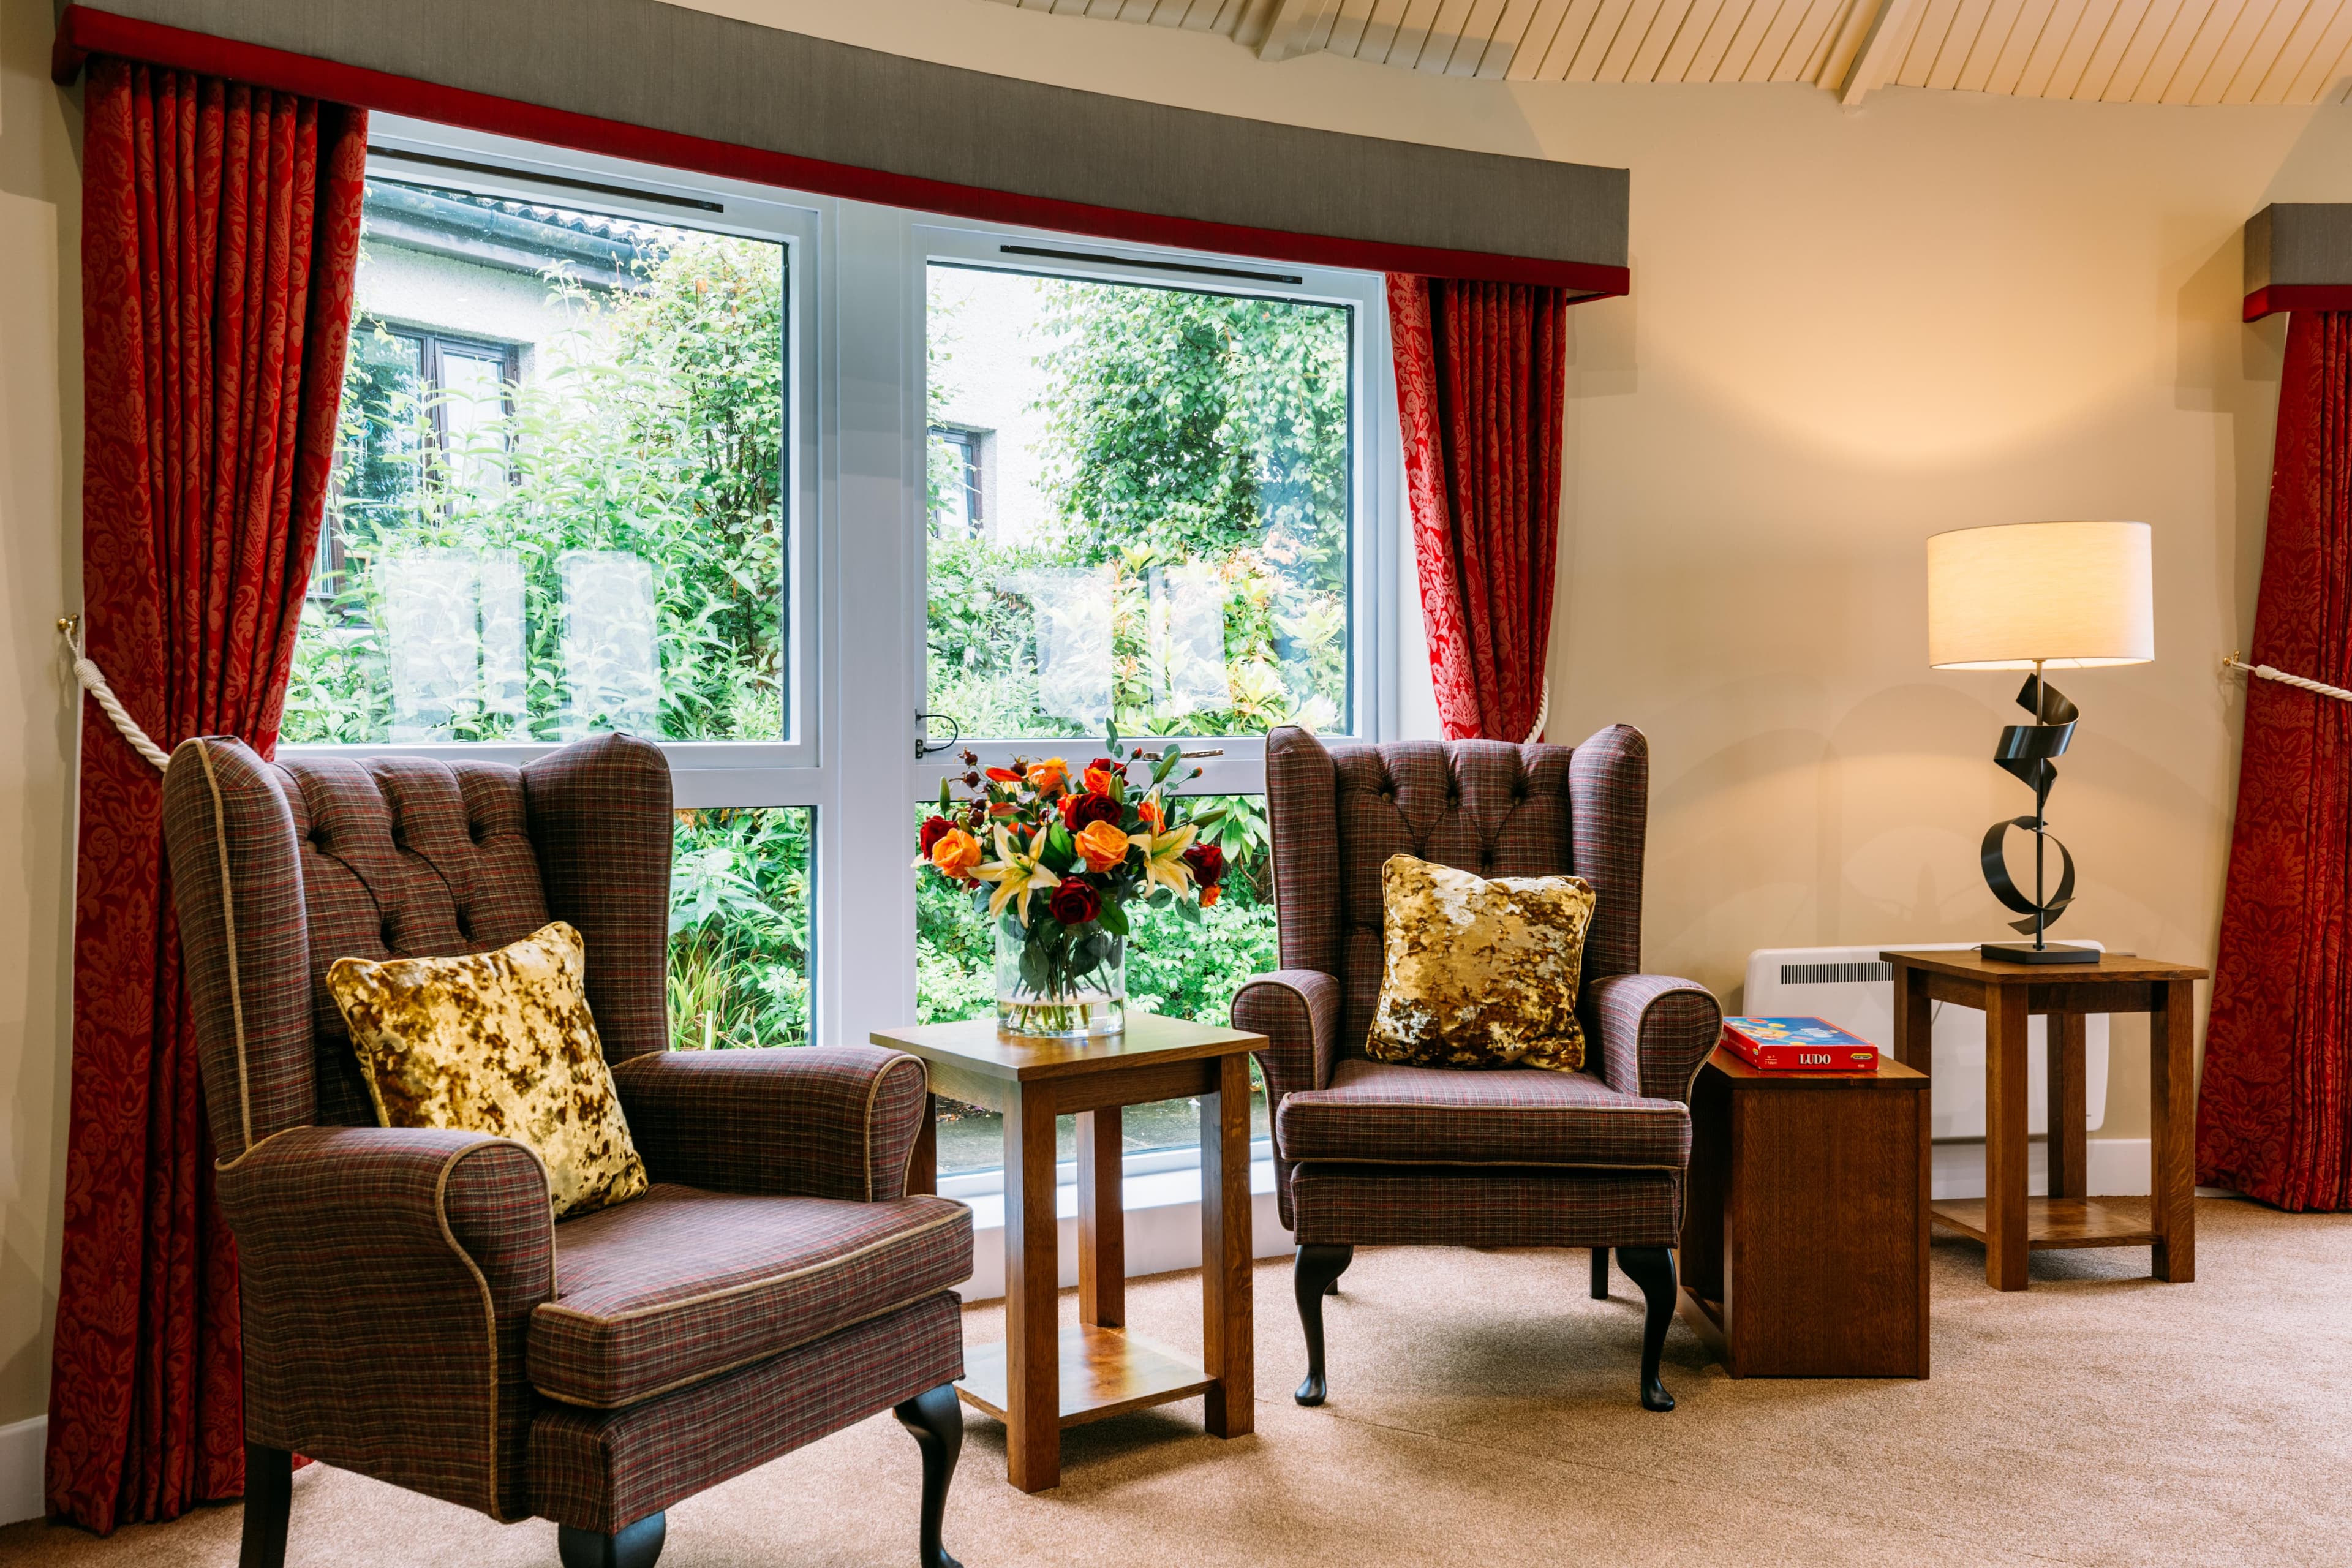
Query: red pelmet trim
pixel 83 32
pixel 2270 300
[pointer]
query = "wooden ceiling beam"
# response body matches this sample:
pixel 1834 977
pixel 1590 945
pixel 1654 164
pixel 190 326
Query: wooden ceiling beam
pixel 1880 51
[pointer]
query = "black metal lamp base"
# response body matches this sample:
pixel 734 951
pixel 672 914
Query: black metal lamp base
pixel 2026 953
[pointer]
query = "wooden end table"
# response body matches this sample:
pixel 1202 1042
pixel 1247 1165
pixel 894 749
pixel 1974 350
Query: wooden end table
pixel 2006 1221
pixel 1040 1379
pixel 1804 1247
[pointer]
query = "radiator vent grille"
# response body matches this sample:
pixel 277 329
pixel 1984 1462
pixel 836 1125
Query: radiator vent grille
pixel 1834 973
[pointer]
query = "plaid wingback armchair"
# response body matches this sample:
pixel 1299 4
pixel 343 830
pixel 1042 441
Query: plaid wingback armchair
pixel 1379 1154
pixel 410 1312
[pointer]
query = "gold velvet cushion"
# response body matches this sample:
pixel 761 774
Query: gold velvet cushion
pixel 500 1042
pixel 1480 973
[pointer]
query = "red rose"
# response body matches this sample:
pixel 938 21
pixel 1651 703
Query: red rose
pixel 1078 810
pixel 1208 863
pixel 934 830
pixel 1075 902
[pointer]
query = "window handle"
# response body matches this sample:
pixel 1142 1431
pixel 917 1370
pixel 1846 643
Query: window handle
pixel 924 744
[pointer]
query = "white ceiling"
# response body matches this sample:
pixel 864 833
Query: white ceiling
pixel 2108 51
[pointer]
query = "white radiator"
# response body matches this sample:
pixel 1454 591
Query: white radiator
pixel 1851 988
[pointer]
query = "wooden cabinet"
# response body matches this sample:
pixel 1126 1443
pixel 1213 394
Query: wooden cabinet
pixel 1805 1224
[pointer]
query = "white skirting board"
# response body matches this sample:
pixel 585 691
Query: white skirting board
pixel 22 1443
pixel 1164 1228
pixel 2117 1168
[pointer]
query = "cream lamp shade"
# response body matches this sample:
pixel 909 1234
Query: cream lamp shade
pixel 2019 593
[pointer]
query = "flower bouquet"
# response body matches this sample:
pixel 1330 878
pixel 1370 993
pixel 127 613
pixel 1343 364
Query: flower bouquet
pixel 1055 858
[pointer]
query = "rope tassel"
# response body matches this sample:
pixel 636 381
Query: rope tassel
pixel 93 681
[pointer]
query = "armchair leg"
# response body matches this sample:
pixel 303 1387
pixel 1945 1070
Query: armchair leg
pixel 1315 1274
pixel 1601 1274
pixel 1653 1268
pixel 936 1419
pixel 268 1501
pixel 632 1546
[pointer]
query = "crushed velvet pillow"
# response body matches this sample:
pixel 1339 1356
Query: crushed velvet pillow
pixel 1479 973
pixel 499 1043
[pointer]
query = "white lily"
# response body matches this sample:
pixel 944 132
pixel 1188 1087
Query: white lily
pixel 1016 873
pixel 1163 859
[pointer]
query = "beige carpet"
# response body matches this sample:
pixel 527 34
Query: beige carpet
pixel 1483 1412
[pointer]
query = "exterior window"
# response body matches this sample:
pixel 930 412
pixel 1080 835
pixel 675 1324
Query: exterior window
pixel 958 489
pixel 560 493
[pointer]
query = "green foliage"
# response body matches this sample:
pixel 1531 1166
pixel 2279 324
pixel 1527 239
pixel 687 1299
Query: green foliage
pixel 739 920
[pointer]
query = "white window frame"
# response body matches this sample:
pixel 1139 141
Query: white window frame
pixel 857 524
pixel 703 773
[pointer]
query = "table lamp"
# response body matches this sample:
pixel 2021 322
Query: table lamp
pixel 2023 595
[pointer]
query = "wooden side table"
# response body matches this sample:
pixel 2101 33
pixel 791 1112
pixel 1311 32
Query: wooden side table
pixel 1040 1379
pixel 2006 1221
pixel 1804 1247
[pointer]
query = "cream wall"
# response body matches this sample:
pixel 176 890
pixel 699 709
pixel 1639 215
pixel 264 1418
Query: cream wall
pixel 40 445
pixel 1847 332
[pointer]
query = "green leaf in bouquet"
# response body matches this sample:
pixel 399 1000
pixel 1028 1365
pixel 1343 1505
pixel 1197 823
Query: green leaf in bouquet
pixel 1187 911
pixel 1061 849
pixel 1113 918
pixel 1168 760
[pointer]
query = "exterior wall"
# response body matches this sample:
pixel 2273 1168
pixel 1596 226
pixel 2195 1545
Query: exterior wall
pixel 991 381
pixel 414 288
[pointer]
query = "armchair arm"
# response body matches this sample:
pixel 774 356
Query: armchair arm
pixel 1653 1032
pixel 820 1122
pixel 388 1279
pixel 1298 1010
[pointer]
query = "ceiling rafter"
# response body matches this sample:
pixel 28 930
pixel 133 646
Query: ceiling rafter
pixel 2116 51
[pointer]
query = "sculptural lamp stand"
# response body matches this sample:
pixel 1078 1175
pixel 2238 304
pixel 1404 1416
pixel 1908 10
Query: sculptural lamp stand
pixel 2026 595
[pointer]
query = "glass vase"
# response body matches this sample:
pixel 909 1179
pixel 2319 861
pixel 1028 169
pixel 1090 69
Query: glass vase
pixel 1054 985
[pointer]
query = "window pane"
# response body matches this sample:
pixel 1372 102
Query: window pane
pixel 1166 541
pixel 1174 968
pixel 559 497
pixel 739 925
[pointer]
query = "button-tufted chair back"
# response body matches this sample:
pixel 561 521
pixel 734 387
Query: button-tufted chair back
pixel 282 869
pixel 1339 813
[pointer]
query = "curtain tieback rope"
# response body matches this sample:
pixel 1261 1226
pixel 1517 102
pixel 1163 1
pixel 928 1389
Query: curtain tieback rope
pixel 93 681
pixel 2232 661
pixel 1543 715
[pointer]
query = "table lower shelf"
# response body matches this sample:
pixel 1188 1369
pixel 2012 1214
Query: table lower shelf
pixel 1105 1373
pixel 2052 1223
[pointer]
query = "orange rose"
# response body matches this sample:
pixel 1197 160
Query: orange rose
pixel 1049 776
pixel 1209 896
pixel 1154 815
pixel 1102 845
pixel 1097 779
pixel 955 854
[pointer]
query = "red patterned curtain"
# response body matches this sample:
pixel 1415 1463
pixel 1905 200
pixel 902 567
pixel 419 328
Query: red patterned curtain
pixel 220 231
pixel 2274 1116
pixel 1479 370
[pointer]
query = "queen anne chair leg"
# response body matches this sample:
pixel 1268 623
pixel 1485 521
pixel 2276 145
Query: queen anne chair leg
pixel 1315 1273
pixel 632 1546
pixel 1653 1268
pixel 268 1501
pixel 936 1419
